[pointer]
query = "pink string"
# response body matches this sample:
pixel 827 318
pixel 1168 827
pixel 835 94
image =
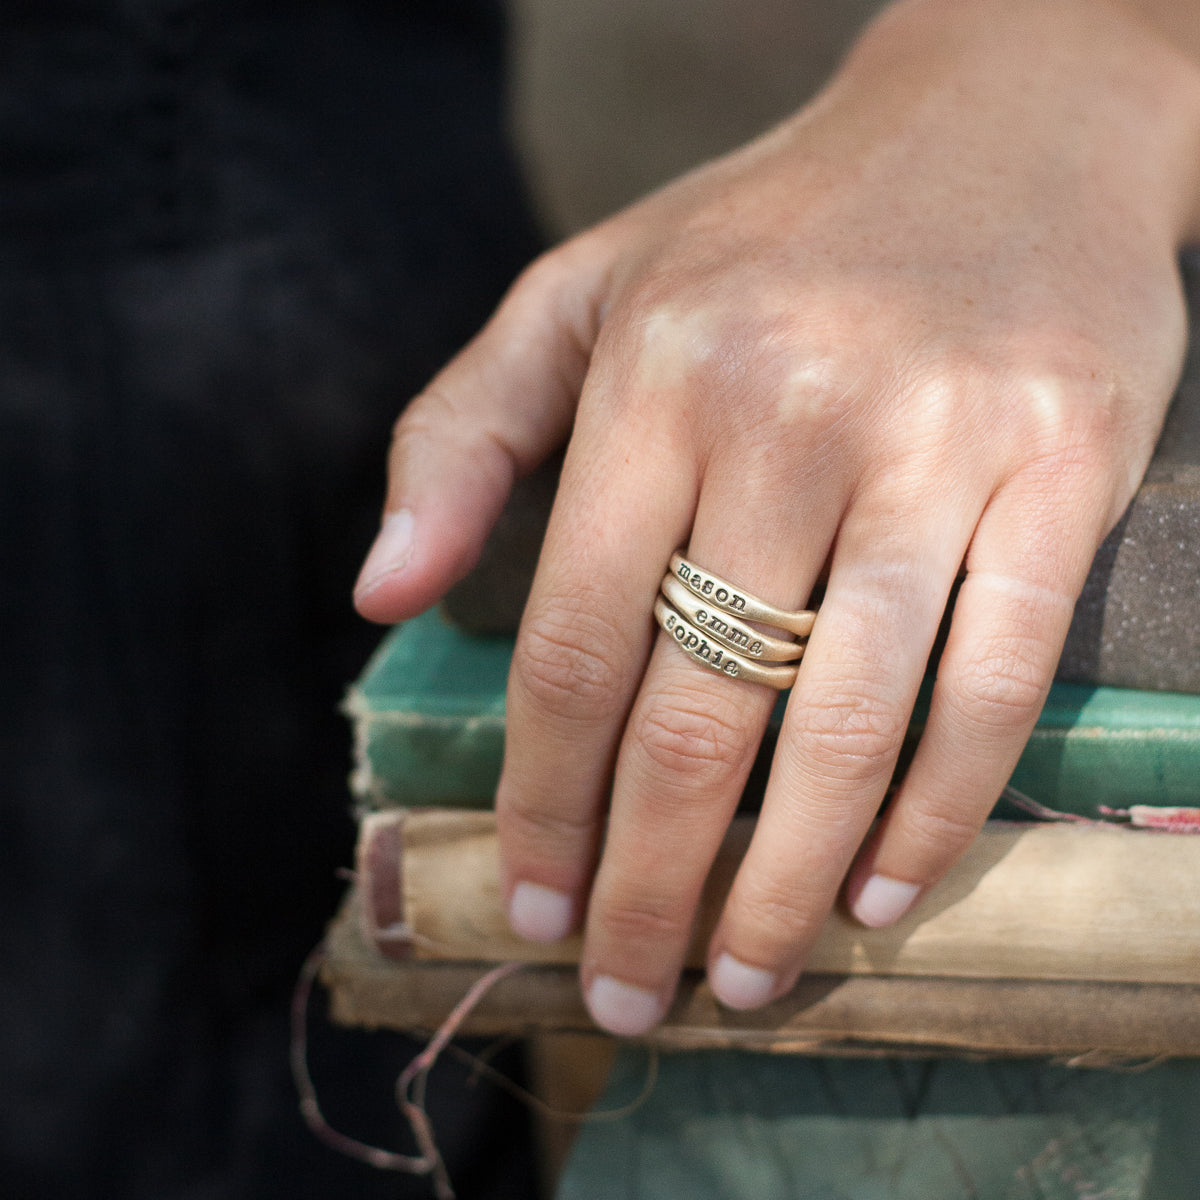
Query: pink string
pixel 410 1087
pixel 1036 809
pixel 1141 816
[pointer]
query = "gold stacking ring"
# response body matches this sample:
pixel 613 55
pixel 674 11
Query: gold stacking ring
pixel 726 630
pixel 723 595
pixel 707 617
pixel 699 648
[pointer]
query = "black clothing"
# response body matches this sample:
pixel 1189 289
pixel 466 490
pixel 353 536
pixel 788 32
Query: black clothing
pixel 234 238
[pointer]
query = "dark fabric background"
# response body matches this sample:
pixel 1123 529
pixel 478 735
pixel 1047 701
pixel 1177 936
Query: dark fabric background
pixel 234 238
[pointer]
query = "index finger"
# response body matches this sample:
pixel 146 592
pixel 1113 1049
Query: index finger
pixel 625 501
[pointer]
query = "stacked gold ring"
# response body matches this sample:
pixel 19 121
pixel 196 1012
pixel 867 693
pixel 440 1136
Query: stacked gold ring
pixel 707 617
pixel 733 600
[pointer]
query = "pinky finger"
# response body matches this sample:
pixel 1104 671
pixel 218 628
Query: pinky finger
pixel 1007 632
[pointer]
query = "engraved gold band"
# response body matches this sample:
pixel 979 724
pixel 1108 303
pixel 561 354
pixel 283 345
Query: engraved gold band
pixel 726 630
pixel 698 647
pixel 723 595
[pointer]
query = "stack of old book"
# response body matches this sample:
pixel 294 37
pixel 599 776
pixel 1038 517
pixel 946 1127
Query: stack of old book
pixel 1049 936
pixel 1069 939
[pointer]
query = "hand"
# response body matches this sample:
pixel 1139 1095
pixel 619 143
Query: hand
pixel 928 326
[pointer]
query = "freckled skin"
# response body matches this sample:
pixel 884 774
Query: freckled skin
pixel 929 325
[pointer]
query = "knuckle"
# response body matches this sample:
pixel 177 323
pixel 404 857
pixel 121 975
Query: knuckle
pixel 671 344
pixel 437 412
pixel 638 919
pixel 676 335
pixel 1001 687
pixel 819 398
pixel 567 659
pixel 852 733
pixel 691 734
pixel 547 272
pixel 1071 408
pixel 549 831
pixel 781 915
pixel 938 833
pixel 546 280
pixel 567 280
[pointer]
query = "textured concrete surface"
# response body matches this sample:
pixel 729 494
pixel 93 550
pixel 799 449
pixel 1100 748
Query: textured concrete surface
pixel 1137 623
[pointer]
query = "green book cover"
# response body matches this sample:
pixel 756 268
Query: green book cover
pixel 428 713
pixel 735 1126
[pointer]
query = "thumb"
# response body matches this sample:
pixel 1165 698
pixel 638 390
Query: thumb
pixel 500 407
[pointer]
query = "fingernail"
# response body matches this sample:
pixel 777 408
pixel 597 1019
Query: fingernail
pixel 883 900
pixel 389 553
pixel 738 985
pixel 623 1009
pixel 539 914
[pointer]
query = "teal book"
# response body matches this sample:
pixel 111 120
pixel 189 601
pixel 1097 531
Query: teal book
pixel 730 1126
pixel 428 714
pixel 429 721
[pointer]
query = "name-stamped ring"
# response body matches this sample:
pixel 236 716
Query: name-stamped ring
pixel 702 650
pixel 722 594
pixel 726 629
